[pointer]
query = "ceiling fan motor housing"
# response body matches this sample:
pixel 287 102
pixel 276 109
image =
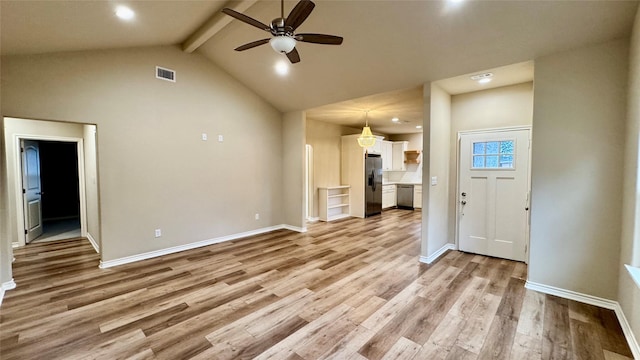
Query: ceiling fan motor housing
pixel 278 27
pixel 283 41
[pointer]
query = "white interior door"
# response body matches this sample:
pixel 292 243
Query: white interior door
pixel 494 193
pixel 31 189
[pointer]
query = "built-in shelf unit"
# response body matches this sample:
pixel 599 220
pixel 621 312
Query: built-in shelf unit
pixel 333 202
pixel 412 157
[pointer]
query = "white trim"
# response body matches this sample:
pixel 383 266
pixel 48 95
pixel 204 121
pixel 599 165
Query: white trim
pixel 571 295
pixel 491 130
pixel 596 301
pixel 634 272
pixel 6 286
pixel 628 333
pixel 94 243
pixel 294 228
pixel 175 249
pixel 433 257
pixel 18 178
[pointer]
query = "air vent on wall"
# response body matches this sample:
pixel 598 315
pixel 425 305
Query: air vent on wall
pixel 165 74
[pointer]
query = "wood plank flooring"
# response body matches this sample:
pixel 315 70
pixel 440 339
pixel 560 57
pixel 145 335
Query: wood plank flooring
pixel 351 289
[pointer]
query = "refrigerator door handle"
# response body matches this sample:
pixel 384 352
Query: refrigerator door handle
pixel 372 180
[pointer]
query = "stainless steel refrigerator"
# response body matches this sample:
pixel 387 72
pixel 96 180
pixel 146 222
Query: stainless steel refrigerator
pixel 373 184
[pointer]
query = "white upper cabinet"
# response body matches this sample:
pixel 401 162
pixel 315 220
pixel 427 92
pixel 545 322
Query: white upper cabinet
pixel 399 147
pixel 377 147
pixel 387 155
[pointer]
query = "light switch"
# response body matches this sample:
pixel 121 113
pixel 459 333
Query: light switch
pixel 204 137
pixel 434 180
pixel 220 138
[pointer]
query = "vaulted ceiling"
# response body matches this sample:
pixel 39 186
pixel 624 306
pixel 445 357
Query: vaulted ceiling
pixel 389 45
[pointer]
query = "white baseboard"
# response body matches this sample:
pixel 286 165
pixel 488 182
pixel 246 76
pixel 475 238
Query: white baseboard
pixel 6 286
pixel 94 243
pixel 433 257
pixel 596 301
pixel 295 228
pixel 175 249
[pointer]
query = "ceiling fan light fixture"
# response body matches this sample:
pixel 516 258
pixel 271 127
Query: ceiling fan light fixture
pixel 283 44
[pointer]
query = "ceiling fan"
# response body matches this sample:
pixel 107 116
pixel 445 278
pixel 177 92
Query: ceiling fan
pixel 283 29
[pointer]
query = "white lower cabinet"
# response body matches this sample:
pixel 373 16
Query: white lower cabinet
pixel 388 196
pixel 333 203
pixel 417 196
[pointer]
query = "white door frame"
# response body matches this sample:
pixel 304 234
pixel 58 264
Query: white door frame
pixel 457 204
pixel 18 180
pixel 309 188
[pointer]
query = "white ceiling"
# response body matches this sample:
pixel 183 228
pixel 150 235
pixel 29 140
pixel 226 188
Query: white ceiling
pixel 407 105
pixel 390 45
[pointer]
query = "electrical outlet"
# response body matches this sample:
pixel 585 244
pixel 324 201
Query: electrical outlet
pixel 158 233
pixel 220 138
pixel 257 216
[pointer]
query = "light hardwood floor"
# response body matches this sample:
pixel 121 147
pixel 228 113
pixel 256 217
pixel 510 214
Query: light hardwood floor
pixel 352 289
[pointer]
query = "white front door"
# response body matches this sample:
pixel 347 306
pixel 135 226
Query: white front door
pixel 31 190
pixel 494 193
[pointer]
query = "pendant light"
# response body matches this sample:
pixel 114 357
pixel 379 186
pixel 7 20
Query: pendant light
pixel 366 140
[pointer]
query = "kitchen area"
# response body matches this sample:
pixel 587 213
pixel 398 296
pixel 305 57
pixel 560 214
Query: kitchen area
pixel 345 179
pixel 385 176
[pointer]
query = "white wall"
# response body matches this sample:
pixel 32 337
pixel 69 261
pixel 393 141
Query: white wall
pixel 439 154
pixel 628 291
pixel 293 154
pixel 325 138
pixel 414 140
pixel 505 106
pixel 578 136
pixel 154 169
pixel 6 251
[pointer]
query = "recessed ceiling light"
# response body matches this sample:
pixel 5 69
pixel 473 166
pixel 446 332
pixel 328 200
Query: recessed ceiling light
pixel 481 76
pixel 125 13
pixel 282 68
pixel 418 126
pixel 395 119
pixel 484 81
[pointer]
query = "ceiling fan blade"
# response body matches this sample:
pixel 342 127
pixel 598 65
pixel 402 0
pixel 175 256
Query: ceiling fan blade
pixel 319 39
pixel 246 19
pixel 299 14
pixel 252 45
pixel 293 56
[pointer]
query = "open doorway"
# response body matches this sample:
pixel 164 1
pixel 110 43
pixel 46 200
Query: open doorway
pixel 58 194
pixel 51 187
pixel 60 190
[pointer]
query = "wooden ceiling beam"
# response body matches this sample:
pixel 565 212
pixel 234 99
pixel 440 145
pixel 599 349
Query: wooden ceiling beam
pixel 212 26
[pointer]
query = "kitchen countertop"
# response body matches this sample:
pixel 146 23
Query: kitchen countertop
pixel 401 183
